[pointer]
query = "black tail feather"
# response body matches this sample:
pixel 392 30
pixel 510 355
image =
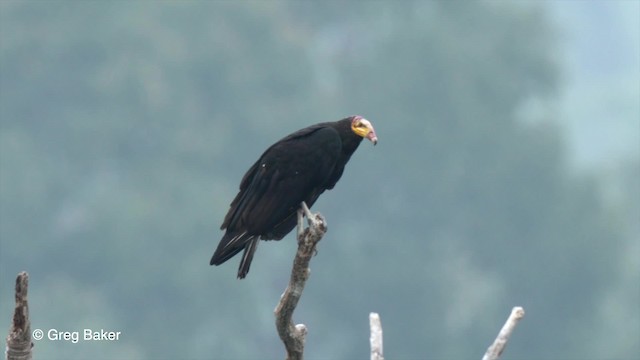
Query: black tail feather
pixel 247 256
pixel 233 243
pixel 230 244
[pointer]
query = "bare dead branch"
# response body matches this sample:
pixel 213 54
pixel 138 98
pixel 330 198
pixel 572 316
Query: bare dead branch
pixel 376 336
pixel 292 336
pixel 19 340
pixel 495 350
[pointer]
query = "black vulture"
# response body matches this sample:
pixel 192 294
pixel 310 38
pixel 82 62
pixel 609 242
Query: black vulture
pixel 298 168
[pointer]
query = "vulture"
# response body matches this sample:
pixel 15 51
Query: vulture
pixel 296 169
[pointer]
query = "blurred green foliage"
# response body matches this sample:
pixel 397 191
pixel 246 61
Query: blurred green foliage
pixel 126 127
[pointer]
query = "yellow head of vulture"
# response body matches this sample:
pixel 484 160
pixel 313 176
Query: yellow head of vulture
pixel 362 127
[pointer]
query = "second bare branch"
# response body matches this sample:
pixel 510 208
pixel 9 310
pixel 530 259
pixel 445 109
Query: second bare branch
pixel 495 350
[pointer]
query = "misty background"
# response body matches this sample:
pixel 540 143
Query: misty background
pixel 506 174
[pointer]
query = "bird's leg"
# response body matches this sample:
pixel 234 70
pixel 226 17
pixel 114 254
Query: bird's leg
pixel 306 210
pixel 303 210
pixel 300 224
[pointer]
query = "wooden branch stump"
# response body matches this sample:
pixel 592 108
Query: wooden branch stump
pixel 292 336
pixel 19 340
pixel 376 336
pixel 495 350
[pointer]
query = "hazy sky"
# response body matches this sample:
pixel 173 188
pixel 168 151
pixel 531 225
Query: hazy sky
pixel 600 59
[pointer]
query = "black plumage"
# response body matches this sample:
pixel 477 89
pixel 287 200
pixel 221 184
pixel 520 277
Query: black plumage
pixel 298 168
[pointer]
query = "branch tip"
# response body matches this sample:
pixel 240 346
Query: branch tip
pixel 376 336
pixel 495 350
pixel 19 340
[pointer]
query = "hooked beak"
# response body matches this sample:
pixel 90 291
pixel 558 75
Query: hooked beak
pixel 372 137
